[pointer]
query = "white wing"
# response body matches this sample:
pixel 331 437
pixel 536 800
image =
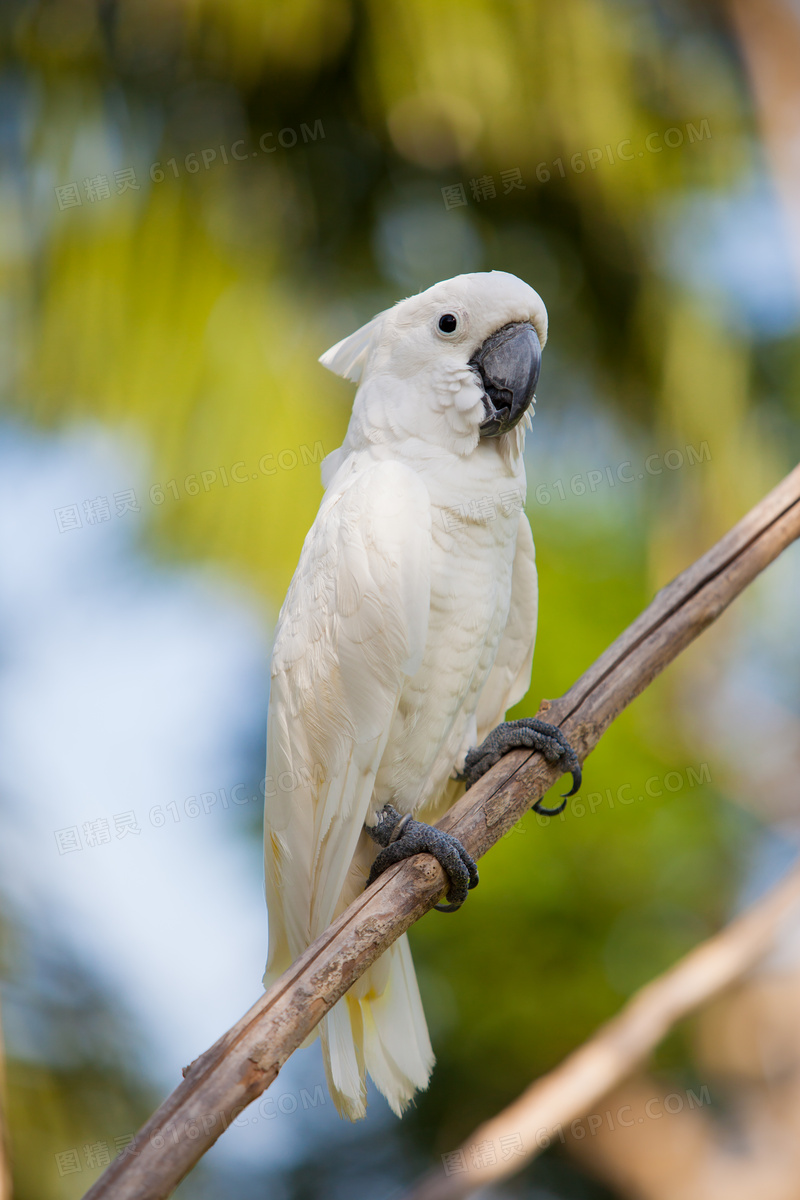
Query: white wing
pixel 510 676
pixel 353 626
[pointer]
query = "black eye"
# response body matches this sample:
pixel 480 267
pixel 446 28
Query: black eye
pixel 448 323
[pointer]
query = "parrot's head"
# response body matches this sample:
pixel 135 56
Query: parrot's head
pixel 453 366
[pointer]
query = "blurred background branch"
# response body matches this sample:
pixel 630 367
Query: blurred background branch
pixel 5 1145
pixel 550 1104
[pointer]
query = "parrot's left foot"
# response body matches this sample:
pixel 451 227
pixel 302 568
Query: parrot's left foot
pixel 403 837
pixel 528 734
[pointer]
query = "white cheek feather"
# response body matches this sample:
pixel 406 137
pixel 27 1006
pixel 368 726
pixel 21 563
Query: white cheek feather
pixel 456 394
pixel 512 444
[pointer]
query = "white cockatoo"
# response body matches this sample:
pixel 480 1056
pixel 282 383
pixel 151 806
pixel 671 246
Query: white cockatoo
pixel 406 634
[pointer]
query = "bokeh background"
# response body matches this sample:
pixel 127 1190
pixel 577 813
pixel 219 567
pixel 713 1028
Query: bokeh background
pixel 196 200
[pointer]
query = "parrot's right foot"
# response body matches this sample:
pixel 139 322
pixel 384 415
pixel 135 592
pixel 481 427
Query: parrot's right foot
pixel 403 837
pixel 531 734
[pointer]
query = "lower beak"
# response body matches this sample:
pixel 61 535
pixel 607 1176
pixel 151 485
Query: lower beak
pixel 508 363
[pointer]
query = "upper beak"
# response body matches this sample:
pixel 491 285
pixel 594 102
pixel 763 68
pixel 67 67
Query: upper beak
pixel 508 363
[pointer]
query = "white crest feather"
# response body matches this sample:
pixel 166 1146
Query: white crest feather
pixel 347 357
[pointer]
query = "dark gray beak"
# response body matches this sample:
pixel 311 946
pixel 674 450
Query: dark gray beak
pixel 508 363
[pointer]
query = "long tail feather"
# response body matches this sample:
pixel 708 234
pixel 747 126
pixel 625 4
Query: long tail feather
pixel 378 1027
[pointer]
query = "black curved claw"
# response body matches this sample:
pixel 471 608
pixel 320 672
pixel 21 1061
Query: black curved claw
pixel 577 779
pixel 403 837
pixel 531 734
pixel 549 812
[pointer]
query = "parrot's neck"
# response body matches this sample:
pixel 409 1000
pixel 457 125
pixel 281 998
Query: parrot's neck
pixel 492 475
pixel 435 431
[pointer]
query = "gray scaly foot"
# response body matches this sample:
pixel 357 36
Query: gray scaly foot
pixel 529 734
pixel 402 837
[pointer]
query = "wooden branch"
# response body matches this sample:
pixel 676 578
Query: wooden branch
pixel 245 1060
pixel 608 1057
